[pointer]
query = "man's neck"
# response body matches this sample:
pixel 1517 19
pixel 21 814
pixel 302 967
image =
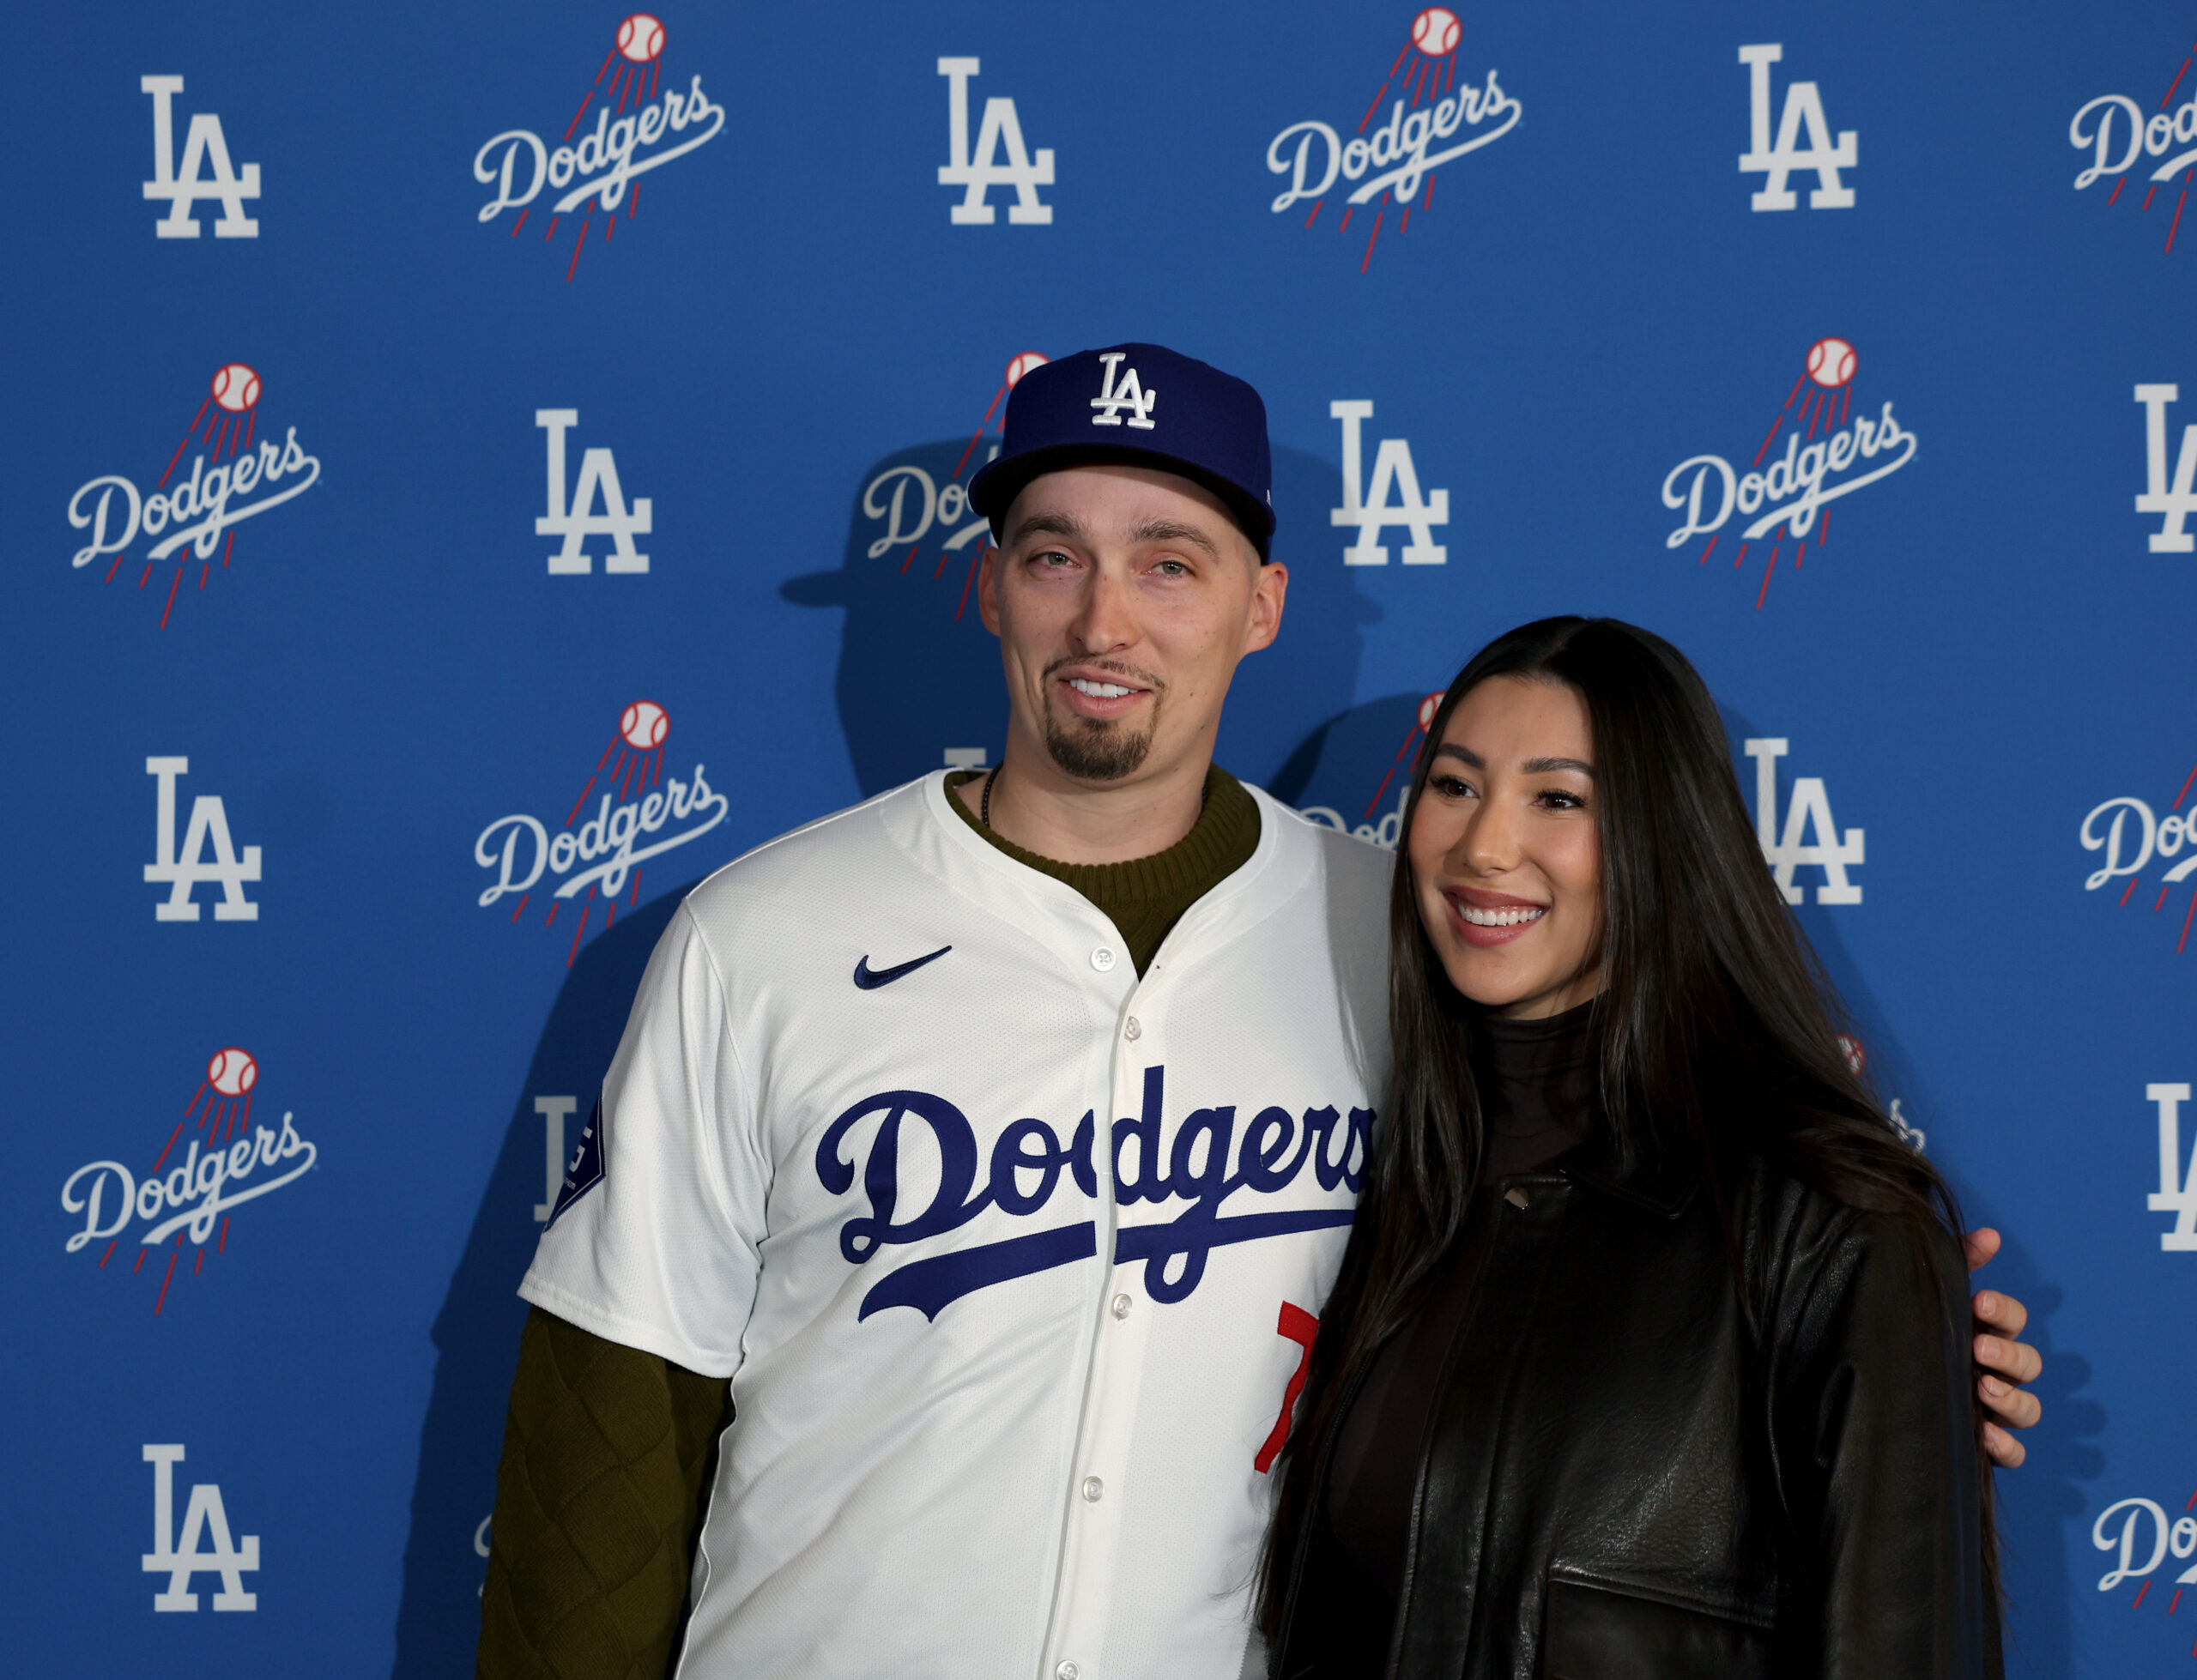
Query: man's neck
pixel 1038 807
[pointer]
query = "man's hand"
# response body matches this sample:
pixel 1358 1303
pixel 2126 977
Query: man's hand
pixel 2005 1362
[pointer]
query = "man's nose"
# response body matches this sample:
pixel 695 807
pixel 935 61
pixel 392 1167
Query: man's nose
pixel 1105 621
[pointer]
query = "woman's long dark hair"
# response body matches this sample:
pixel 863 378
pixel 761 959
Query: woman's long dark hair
pixel 1711 1002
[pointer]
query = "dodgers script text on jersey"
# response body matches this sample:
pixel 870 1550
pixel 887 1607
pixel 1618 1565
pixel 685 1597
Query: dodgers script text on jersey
pixel 995 1253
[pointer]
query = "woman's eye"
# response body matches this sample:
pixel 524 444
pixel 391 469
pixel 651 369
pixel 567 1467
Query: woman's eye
pixel 1452 787
pixel 1561 801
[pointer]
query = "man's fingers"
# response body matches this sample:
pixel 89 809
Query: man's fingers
pixel 2017 1361
pixel 2006 1452
pixel 1981 1244
pixel 2001 1312
pixel 2021 1408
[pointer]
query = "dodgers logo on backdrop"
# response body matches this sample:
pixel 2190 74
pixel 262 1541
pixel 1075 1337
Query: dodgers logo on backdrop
pixel 1857 1057
pixel 206 173
pixel 1789 849
pixel 205 506
pixel 2177 1191
pixel 2149 1542
pixel 576 519
pixel 1777 162
pixel 1792 496
pixel 179 1555
pixel 641 814
pixel 1385 829
pixel 183 870
pixel 636 128
pixel 2133 837
pixel 1390 160
pixel 188 1195
pixel 1028 1163
pixel 1370 510
pixel 2121 134
pixel 977 172
pixel 908 502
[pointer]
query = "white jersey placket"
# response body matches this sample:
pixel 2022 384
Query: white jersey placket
pixel 1098 1478
pixel 1101 1486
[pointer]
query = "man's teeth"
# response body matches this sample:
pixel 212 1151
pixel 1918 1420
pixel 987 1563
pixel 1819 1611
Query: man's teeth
pixel 1099 690
pixel 1510 918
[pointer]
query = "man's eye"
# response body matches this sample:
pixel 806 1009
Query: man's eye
pixel 1172 569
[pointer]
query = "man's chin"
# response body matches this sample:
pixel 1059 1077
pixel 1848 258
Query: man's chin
pixel 1096 752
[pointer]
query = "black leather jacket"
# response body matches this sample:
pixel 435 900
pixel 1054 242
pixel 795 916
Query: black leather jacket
pixel 1621 1480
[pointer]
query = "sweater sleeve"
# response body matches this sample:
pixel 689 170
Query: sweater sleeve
pixel 599 1494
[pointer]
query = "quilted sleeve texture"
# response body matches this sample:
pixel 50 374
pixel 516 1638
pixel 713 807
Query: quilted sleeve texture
pixel 599 1494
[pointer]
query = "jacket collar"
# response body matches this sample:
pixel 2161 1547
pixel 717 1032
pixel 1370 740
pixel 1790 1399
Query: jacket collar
pixel 1661 1182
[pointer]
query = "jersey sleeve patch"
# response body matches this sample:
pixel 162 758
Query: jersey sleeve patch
pixel 585 1171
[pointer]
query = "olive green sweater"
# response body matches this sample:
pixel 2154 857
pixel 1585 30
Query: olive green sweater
pixel 608 1450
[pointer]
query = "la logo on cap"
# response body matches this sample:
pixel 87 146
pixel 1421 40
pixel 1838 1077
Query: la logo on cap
pixel 1131 394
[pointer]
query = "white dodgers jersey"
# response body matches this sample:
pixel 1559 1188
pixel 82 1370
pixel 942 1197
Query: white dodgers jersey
pixel 1010 1255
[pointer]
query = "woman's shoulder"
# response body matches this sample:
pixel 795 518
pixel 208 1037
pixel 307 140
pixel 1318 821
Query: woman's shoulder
pixel 1802 1236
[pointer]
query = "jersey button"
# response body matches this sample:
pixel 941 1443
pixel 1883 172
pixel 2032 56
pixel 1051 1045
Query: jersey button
pixel 1121 1304
pixel 1093 1490
pixel 1103 959
pixel 1133 1031
pixel 1067 1672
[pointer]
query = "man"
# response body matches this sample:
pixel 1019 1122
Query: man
pixel 986 1150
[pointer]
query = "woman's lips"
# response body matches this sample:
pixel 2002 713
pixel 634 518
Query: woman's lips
pixel 1485 920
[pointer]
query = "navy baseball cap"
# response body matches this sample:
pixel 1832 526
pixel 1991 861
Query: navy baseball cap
pixel 1144 406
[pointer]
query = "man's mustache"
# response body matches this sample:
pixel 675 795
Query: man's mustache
pixel 1139 679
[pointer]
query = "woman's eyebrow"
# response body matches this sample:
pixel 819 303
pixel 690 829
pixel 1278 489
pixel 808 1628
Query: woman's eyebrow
pixel 1532 766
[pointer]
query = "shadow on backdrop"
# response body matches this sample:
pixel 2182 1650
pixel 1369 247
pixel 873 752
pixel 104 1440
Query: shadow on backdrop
pixel 918 683
pixel 476 1333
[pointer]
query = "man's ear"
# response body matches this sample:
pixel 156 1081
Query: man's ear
pixel 988 588
pixel 1270 590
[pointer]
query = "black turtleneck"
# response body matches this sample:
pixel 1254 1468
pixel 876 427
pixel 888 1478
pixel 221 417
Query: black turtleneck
pixel 1537 1086
pixel 1537 1082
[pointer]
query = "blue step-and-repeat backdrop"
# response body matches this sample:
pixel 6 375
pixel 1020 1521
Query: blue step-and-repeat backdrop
pixel 472 470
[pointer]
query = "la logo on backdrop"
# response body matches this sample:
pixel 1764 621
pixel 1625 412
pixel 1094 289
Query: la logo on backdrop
pixel 2158 144
pixel 2174 500
pixel 188 1195
pixel 2134 837
pixel 1391 158
pixel 641 814
pixel 205 149
pixel 235 475
pixel 977 172
pixel 1830 452
pixel 640 125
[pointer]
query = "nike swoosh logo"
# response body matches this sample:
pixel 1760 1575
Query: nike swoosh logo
pixel 870 980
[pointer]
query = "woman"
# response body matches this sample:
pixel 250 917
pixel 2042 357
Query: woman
pixel 1648 1356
